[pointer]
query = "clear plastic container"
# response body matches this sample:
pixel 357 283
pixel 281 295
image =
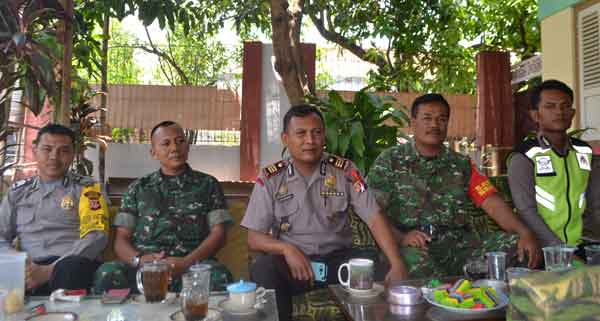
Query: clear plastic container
pixel 12 280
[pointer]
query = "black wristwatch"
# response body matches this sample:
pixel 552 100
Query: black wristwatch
pixel 135 260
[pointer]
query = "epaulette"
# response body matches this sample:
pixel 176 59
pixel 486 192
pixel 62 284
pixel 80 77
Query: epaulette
pixel 338 162
pixel 22 183
pixel 579 142
pixel 274 169
pixel 526 145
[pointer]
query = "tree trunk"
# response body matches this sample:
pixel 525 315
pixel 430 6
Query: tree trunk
pixel 286 21
pixel 104 89
pixel 62 112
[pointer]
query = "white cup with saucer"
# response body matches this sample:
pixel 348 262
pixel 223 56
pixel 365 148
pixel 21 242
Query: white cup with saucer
pixel 244 298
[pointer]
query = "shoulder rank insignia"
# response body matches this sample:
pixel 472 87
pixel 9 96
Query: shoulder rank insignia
pixel 274 168
pixel 21 183
pixel 338 162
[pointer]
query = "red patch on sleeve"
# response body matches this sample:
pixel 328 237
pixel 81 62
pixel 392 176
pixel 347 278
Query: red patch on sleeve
pixel 480 187
pixel 260 181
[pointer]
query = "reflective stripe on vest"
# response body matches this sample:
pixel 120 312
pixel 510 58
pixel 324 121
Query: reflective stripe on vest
pixel 560 189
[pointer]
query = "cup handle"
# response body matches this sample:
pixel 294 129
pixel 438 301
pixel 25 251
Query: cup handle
pixel 342 282
pixel 260 293
pixel 138 279
pixel 465 271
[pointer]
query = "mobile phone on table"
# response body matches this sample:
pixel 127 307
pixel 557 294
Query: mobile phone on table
pixel 115 296
pixel 319 270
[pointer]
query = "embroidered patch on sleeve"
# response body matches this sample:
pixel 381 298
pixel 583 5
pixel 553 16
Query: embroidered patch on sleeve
pixel 480 187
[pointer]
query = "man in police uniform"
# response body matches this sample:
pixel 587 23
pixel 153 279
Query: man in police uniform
pixel 430 194
pixel 174 214
pixel 298 213
pixel 60 218
pixel 550 176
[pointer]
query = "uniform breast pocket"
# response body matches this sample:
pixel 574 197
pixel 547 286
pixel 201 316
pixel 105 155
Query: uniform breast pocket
pixel 25 214
pixel 336 205
pixel 286 214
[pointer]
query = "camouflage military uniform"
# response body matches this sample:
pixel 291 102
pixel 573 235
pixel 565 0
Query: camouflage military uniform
pixel 170 214
pixel 418 192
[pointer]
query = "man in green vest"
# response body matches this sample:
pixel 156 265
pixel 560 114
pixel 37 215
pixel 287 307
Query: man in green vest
pixel 431 193
pixel 549 174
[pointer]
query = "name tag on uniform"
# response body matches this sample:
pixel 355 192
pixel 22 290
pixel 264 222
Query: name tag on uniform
pixel 583 161
pixel 543 166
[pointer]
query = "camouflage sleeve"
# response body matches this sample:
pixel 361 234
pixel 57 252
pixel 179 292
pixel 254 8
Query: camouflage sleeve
pixel 7 223
pixel 218 208
pixel 128 213
pixel 378 180
pixel 259 213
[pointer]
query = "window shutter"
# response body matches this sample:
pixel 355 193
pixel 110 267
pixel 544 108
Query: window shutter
pixel 588 23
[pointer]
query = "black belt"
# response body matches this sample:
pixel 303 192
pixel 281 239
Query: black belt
pixel 433 230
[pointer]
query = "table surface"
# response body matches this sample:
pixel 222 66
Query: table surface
pixel 91 309
pixel 377 308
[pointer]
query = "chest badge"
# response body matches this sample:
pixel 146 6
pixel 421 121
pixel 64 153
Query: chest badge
pixel 67 203
pixel 329 187
pixel 282 193
pixel 543 165
pixel 583 161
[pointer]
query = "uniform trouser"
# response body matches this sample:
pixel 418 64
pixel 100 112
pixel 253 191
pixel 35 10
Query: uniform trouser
pixel 448 255
pixel 72 272
pixel 272 272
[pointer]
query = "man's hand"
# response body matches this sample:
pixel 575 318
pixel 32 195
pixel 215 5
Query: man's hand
pixel 298 263
pixel 149 257
pixel 177 265
pixel 396 273
pixel 528 244
pixel 37 275
pixel 416 239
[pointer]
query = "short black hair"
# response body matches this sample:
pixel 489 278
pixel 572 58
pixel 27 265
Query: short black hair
pixel 165 123
pixel 55 129
pixel 428 98
pixel 549 84
pixel 302 110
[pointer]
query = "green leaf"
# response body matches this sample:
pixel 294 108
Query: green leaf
pixel 343 144
pixel 357 136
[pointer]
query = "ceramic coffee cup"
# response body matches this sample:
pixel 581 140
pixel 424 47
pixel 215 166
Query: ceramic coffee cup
pixel 360 274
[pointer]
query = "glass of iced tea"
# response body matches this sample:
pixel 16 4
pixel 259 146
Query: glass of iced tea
pixel 195 292
pixel 153 281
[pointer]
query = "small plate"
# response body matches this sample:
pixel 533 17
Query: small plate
pixel 373 292
pixel 171 298
pixel 54 316
pixel 228 308
pixel 213 315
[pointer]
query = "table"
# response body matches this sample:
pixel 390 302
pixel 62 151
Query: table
pixel 91 309
pixel 377 309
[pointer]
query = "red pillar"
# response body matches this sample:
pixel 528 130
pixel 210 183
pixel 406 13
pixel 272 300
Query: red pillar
pixel 495 109
pixel 251 109
pixel 250 126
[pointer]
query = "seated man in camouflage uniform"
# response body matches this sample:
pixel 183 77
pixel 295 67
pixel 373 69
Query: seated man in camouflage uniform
pixel 425 187
pixel 175 214
pixel 60 218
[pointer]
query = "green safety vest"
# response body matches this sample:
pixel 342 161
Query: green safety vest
pixel 560 185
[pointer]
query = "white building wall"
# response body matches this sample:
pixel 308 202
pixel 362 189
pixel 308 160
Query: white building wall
pixel 134 160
